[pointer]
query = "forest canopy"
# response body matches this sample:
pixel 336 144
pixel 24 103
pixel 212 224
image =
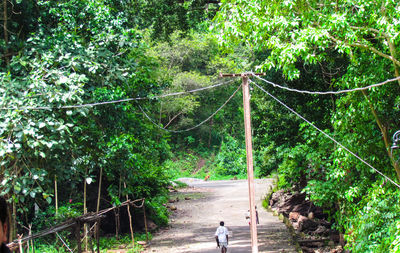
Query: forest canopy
pixel 72 73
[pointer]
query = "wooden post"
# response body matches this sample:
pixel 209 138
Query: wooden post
pixel 249 156
pixel 56 193
pixel 145 221
pixel 78 235
pixel 85 209
pixel 98 235
pixel 130 220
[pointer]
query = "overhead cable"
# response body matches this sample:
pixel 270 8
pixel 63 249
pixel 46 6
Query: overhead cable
pixel 114 101
pixel 328 136
pixel 327 92
pixel 196 126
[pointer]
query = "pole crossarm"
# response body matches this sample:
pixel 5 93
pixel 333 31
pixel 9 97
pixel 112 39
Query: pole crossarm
pixel 242 74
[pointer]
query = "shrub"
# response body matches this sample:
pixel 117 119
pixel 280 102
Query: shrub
pixel 374 226
pixel 231 159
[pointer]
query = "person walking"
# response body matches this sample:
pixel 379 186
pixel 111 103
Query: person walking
pixel 247 216
pixel 257 221
pixel 222 237
pixel 3 226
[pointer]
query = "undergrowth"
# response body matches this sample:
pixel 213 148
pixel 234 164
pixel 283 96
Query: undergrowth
pixel 106 243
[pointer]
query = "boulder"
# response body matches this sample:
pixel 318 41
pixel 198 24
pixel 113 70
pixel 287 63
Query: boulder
pixel 306 224
pixel 276 197
pixel 321 231
pixel 294 216
pixel 291 202
pixel 172 208
pixel 151 225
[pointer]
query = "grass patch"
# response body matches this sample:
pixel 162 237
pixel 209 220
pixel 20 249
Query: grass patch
pixel 179 184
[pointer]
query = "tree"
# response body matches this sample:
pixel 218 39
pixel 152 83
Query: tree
pixel 73 53
pixel 298 35
pixel 307 31
pixel 187 63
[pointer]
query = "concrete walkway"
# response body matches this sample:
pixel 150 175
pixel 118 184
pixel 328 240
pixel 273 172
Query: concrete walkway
pixel 195 221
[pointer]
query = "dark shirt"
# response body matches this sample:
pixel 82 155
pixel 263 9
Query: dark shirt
pixel 4 249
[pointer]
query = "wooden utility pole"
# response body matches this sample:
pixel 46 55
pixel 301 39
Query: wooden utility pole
pixel 249 157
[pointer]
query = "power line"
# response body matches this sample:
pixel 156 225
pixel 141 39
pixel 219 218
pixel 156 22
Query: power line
pixel 191 91
pixel 201 123
pixel 328 136
pixel 327 92
pixel 114 101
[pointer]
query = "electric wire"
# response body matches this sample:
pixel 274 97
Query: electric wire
pixel 326 92
pixel 115 101
pixel 196 126
pixel 327 135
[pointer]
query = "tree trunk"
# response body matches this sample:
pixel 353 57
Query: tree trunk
pixel 384 135
pixel 99 190
pixel 130 219
pixel 56 193
pixel 5 29
pixel 210 135
pixel 85 210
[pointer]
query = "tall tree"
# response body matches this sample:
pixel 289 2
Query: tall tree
pixel 308 31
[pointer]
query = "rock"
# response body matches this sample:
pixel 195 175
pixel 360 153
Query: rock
pixel 173 208
pixel 295 226
pixel 311 215
pixel 306 224
pixel 143 243
pixel 302 208
pixel 276 197
pixel 187 198
pixel 325 223
pixel 321 231
pixel 338 249
pixel 151 225
pixel 291 203
pixel 294 216
pixel 307 250
pixel 335 237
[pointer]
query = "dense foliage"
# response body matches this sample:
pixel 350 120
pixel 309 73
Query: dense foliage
pixel 75 53
pixel 61 59
pixel 325 45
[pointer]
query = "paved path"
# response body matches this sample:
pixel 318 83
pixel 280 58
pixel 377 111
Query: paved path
pixel 194 223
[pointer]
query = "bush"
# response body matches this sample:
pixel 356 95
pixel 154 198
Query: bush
pixel 231 159
pixel 374 226
pixel 266 160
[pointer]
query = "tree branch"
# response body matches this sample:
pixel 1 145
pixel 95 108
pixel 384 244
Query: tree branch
pixel 384 134
pixel 172 119
pixel 370 48
pixel 389 40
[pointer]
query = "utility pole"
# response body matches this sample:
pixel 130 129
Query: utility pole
pixel 249 156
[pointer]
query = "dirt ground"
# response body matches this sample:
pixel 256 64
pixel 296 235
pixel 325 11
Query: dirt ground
pixel 194 222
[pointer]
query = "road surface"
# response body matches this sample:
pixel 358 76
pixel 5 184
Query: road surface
pixel 194 222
